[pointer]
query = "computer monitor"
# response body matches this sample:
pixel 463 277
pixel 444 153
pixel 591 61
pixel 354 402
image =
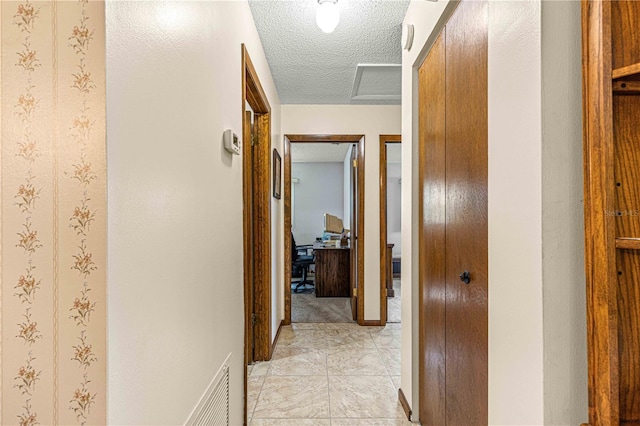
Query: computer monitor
pixel 332 224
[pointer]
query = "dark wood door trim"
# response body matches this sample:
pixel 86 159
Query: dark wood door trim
pixel 286 191
pixel 360 235
pixel 247 164
pixel 384 139
pixel 262 156
pixel 602 285
pixel 256 162
pixel 353 240
pixel 288 139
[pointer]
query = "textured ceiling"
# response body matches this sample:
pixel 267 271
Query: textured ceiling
pixel 318 152
pixel 311 67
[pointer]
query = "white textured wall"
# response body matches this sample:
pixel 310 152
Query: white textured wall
pixel 565 328
pixel 372 121
pixel 515 214
pixel 175 275
pixel 537 343
pixel 320 191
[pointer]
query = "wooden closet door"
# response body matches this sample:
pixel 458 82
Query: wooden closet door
pixel 432 235
pixel 466 216
pixel 453 363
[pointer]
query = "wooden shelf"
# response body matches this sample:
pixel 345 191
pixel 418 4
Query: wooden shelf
pixel 628 71
pixel 628 243
pixel 624 87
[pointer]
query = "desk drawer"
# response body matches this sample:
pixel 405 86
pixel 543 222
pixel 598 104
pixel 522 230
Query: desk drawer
pixel 333 272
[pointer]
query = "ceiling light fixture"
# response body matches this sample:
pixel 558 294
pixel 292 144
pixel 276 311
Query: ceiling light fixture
pixel 328 15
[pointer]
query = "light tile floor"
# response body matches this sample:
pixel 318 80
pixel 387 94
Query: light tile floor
pixel 329 374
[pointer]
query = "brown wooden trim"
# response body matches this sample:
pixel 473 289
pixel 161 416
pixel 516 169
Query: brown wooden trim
pixel 626 87
pixel 275 340
pixel 628 243
pixel 262 237
pixel 405 404
pixel 255 95
pixel 627 71
pixel 371 323
pixel 324 138
pixel 600 262
pixel 353 239
pixel 288 139
pixel 383 222
pixel 361 239
pixel 391 138
pixel 287 229
pixel 383 231
pixel 256 217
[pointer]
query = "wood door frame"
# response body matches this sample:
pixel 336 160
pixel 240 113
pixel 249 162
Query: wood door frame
pixel 600 251
pixel 384 139
pixel 288 140
pixel 258 236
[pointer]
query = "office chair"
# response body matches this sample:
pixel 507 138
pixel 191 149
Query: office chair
pixel 301 261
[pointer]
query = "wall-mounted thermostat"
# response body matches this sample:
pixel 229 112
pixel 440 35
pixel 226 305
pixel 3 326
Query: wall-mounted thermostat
pixel 231 142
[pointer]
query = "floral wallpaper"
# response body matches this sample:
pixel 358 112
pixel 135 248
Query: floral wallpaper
pixel 53 213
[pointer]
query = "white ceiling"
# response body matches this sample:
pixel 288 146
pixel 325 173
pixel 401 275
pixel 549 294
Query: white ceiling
pixel 318 152
pixel 311 67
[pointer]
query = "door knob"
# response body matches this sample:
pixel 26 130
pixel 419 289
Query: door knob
pixel 465 277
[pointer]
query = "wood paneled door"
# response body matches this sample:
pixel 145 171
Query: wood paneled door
pixel 256 196
pixel 453 365
pixel 611 108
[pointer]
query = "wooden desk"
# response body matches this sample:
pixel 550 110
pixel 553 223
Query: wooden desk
pixel 333 272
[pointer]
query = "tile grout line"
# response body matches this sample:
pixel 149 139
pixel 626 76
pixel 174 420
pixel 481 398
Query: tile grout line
pixel 342 334
pixel 326 364
pixel 260 391
pixel 382 360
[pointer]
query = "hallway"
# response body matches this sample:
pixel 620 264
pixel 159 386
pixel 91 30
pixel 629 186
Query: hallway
pixel 351 377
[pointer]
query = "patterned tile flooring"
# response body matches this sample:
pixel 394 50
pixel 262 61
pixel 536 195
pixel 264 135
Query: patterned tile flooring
pixel 329 374
pixel 306 307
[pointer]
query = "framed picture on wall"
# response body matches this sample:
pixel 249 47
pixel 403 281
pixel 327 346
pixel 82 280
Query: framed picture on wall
pixel 277 167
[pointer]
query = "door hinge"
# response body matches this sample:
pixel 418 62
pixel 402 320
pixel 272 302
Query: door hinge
pixel 355 163
pixel 254 320
pixel 386 292
pixel 253 140
pixel 355 292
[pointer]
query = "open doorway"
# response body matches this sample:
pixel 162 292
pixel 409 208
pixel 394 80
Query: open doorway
pixel 390 228
pixel 323 199
pixel 256 152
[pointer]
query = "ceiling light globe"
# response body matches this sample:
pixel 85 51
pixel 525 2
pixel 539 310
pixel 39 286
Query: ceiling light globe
pixel 328 16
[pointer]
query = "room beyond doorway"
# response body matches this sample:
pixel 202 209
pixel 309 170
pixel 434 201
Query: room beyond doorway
pixel 338 268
